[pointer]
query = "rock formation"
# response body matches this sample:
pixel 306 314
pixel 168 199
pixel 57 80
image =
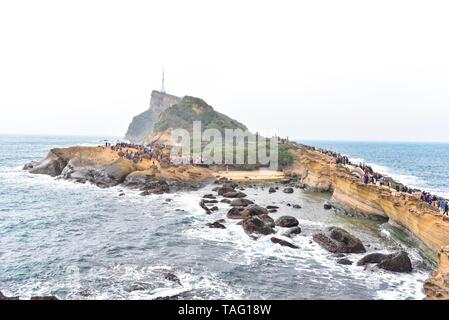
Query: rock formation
pixel 142 125
pixel 320 172
pixel 104 167
pixel 182 115
pixel 337 240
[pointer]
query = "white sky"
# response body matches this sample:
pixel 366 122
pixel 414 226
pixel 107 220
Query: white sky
pixel 352 70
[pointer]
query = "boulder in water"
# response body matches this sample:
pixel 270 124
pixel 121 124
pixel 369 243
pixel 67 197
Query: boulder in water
pixel 271 190
pixel 283 243
pixel 288 190
pixel 327 206
pixel 3 297
pixel 234 194
pixel 255 210
pixel 226 201
pixel 254 225
pixel 209 201
pixel 287 222
pixel 345 261
pixel 236 213
pixel 44 298
pixel 172 277
pixel 221 191
pixel 373 258
pixel 241 202
pixel 216 225
pixel 337 240
pixel 267 219
pixel 399 262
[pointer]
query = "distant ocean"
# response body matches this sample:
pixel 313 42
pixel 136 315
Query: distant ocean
pixel 418 165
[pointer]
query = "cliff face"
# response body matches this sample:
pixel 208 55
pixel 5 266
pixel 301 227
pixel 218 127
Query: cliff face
pixel 142 125
pixel 320 172
pixel 183 114
pixel 437 287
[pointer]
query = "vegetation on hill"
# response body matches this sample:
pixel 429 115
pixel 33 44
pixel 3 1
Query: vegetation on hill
pixel 190 109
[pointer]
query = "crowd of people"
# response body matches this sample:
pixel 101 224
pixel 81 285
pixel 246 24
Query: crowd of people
pixel 136 152
pixel 156 152
pixel 372 177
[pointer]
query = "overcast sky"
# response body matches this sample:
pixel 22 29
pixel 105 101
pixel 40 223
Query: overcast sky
pixel 351 70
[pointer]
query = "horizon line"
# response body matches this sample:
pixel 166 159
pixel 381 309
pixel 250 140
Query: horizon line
pixel 291 139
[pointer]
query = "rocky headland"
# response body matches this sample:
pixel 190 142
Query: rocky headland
pixel 309 169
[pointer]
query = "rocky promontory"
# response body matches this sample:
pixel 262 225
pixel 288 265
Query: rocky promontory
pixel 105 167
pixel 320 172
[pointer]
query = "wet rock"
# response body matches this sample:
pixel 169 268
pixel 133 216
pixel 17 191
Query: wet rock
pixel 345 262
pixel 255 210
pixel 399 262
pixel 30 165
pixel 156 187
pixel 172 277
pixel 136 287
pixel 121 194
pixel 216 225
pixel 283 243
pixel 44 298
pixel 52 165
pixel 3 297
pixel 327 206
pixel 296 206
pixel 236 213
pixel 221 191
pixel 209 196
pixel 254 225
pixel 292 232
pixel 241 202
pixel 226 201
pixel 267 219
pixel 234 194
pixel 232 185
pixel 203 205
pixel 214 208
pixel 288 190
pixel 337 240
pixel 272 211
pixel 209 201
pixel 271 190
pixel 249 211
pixel 287 222
pixel 373 258
pixel 289 205
pixel 272 207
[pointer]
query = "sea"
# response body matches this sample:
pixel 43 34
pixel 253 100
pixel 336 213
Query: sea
pixel 78 241
pixel 424 166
